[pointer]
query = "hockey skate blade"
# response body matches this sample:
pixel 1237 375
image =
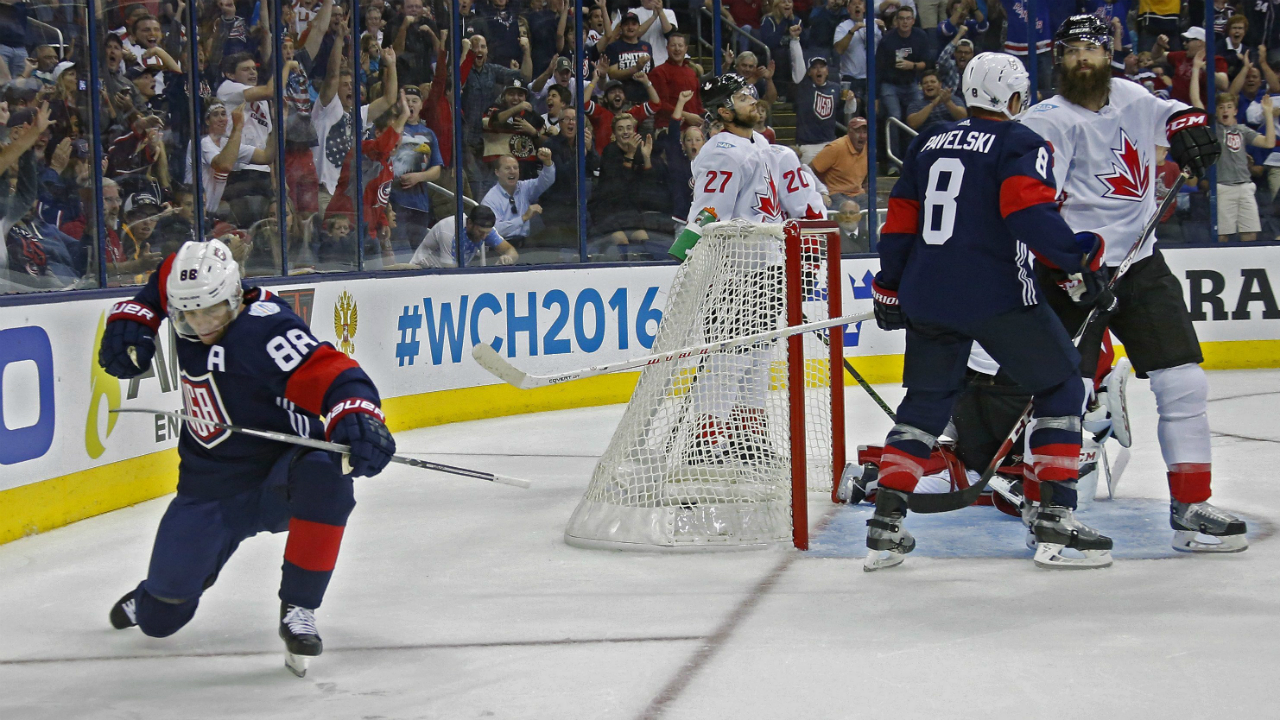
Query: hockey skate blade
pixel 881 559
pixel 1189 541
pixel 1049 556
pixel 297 664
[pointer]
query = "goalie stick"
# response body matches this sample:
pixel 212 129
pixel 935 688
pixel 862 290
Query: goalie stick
pixel 335 447
pixel 926 504
pixel 490 360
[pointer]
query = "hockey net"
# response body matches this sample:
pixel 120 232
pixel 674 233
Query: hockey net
pixel 720 451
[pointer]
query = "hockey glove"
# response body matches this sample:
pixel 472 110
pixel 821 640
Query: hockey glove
pixel 360 424
pixel 1089 286
pixel 128 340
pixel 889 315
pixel 1191 143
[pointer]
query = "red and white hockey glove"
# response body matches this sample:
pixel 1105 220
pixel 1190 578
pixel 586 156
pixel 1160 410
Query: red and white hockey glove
pixel 129 339
pixel 360 424
pixel 889 315
pixel 1191 143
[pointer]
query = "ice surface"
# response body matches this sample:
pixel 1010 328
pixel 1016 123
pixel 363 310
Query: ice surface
pixel 456 598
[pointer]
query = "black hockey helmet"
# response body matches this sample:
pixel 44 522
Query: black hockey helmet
pixel 718 92
pixel 1089 28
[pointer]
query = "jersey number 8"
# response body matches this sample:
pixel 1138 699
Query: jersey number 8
pixel 940 199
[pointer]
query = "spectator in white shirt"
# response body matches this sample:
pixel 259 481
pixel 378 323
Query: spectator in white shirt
pixel 514 201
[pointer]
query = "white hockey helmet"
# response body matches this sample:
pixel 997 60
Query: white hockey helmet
pixel 992 79
pixel 203 276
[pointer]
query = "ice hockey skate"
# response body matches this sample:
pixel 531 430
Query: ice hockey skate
pixel 1056 530
pixel 888 542
pixel 124 614
pixel 1201 527
pixel 301 638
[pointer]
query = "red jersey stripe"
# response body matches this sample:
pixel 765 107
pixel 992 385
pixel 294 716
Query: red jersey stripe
pixel 1021 192
pixel 904 217
pixel 308 384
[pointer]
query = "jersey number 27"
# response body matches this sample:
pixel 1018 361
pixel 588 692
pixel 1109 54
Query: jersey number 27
pixel 945 177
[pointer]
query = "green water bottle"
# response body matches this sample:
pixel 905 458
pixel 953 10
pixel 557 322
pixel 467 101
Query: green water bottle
pixel 691 235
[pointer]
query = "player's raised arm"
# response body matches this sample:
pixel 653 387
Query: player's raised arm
pixel 129 337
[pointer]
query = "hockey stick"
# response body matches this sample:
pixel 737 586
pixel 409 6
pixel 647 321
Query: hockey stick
pixel 925 504
pixel 490 360
pixel 334 447
pixel 826 340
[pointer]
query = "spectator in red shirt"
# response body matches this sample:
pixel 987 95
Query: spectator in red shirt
pixel 673 77
pixel 1180 61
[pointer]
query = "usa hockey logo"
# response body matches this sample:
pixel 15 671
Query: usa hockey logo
pixel 1130 178
pixel 1235 141
pixel 823 105
pixel 201 399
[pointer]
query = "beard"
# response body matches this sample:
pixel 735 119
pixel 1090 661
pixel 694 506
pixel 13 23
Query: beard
pixel 1086 87
pixel 743 120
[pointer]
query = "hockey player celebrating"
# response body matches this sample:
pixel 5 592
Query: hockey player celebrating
pixel 931 259
pixel 1102 132
pixel 245 357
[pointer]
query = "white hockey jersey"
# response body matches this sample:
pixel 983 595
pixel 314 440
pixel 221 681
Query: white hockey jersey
pixel 733 176
pixel 797 188
pixel 1104 162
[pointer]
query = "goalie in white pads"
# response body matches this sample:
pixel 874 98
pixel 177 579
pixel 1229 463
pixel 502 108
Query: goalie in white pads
pixel 1103 131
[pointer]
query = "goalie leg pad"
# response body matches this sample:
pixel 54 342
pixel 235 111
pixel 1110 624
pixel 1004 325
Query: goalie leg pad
pixel 1182 395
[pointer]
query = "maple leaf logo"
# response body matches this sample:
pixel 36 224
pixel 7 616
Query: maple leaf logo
pixel 1130 177
pixel 767 204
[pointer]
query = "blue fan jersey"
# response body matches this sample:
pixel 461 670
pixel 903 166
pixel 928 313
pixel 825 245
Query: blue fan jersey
pixel 973 197
pixel 267 372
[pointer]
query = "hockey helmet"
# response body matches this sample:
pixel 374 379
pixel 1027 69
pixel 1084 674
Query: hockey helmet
pixel 204 276
pixel 718 92
pixel 992 79
pixel 1087 28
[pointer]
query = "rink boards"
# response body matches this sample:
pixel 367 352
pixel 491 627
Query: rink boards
pixel 63 457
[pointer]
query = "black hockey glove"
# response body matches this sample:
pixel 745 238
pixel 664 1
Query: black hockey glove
pixel 360 424
pixel 128 340
pixel 889 315
pixel 1089 286
pixel 1192 144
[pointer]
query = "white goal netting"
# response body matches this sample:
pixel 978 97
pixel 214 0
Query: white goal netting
pixel 703 457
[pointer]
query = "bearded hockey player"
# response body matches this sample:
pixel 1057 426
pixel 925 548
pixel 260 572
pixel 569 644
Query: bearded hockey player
pixel 931 259
pixel 1103 132
pixel 247 359
pixel 733 180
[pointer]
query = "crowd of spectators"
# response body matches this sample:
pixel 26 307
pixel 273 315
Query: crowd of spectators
pixel 165 172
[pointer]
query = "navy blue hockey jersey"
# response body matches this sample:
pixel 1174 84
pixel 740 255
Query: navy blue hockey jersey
pixel 973 196
pixel 266 372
